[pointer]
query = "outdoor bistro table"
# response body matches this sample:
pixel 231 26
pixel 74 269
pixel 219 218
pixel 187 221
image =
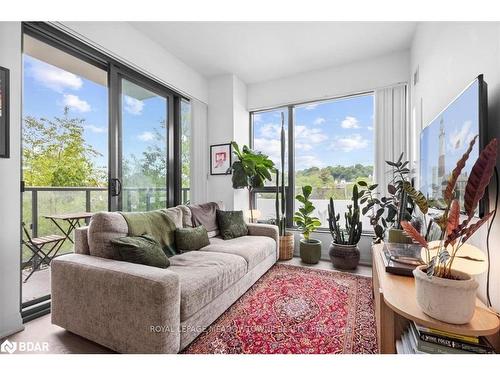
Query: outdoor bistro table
pixel 73 219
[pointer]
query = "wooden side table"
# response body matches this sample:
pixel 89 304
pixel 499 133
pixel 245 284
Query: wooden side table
pixel 396 305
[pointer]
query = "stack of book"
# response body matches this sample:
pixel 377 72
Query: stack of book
pixel 422 340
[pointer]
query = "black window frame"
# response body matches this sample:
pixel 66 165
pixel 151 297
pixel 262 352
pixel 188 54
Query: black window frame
pixel 289 192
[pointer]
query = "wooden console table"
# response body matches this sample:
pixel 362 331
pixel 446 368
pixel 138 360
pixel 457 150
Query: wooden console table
pixel 395 305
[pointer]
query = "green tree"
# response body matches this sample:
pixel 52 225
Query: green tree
pixel 55 153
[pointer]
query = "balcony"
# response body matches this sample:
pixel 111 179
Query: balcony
pixel 39 202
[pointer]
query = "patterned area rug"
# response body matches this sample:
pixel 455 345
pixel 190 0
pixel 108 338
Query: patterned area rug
pixel 296 310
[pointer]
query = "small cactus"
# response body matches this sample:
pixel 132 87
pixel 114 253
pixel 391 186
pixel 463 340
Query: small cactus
pixel 353 226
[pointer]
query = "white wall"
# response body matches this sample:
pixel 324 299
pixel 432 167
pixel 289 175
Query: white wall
pixel 227 121
pixel 10 196
pixel 122 40
pixel 342 80
pixel 449 57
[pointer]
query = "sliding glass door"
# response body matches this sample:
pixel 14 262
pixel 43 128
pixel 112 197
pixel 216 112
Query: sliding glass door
pixel 144 154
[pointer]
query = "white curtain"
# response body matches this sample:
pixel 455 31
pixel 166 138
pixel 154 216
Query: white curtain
pixel 199 152
pixel 391 131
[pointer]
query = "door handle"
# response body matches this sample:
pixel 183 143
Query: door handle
pixel 116 187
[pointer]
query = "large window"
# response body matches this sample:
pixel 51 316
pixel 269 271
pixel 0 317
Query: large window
pixel 332 149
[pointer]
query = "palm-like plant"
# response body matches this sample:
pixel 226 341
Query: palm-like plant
pixel 303 218
pixel 250 170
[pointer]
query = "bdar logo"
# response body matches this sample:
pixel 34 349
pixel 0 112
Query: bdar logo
pixel 8 347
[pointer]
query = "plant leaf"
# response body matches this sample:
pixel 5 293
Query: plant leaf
pixel 453 218
pixel 414 234
pixel 480 176
pixel 417 197
pixel 474 227
pixel 448 193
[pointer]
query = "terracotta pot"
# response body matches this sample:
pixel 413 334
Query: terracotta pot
pixel 448 300
pixel 398 236
pixel 310 251
pixel 286 246
pixel 345 257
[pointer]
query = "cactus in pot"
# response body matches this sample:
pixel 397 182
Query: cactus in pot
pixel 344 252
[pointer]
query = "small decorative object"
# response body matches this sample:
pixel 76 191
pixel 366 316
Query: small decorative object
pixel 344 252
pixel 444 292
pixel 220 159
pixel 310 249
pixel 397 206
pixel 4 113
pixel 250 171
pixel 286 238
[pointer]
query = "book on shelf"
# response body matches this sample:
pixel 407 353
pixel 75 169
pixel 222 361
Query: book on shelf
pixel 401 259
pixel 452 341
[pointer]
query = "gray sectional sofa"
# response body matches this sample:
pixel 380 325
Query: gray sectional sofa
pixel 133 308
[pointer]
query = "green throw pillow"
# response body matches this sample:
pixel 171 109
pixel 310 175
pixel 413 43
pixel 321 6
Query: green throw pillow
pixel 231 224
pixel 141 250
pixel 188 239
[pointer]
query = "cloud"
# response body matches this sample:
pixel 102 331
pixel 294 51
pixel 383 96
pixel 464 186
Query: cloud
pixel 370 128
pixel 54 78
pixel 133 106
pixel 74 102
pixel 307 161
pixel 319 121
pixel 459 138
pixel 95 129
pixel 257 117
pixel 146 136
pixel 310 107
pixel 350 143
pixel 270 130
pixel 350 122
pixel 270 147
pixel 303 146
pixel 310 135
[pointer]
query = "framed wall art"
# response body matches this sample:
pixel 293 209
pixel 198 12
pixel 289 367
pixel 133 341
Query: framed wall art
pixel 220 159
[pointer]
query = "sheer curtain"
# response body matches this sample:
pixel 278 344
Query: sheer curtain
pixel 391 131
pixel 199 152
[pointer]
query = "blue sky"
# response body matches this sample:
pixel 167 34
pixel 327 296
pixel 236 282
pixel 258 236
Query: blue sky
pixel 48 89
pixel 338 132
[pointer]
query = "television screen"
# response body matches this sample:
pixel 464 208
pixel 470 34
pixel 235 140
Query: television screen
pixel 445 140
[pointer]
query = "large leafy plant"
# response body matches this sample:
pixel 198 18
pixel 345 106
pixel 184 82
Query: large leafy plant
pixel 303 217
pixel 353 226
pixel 250 170
pixel 455 234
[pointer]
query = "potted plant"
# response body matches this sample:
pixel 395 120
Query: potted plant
pixel 344 252
pixel 443 292
pixel 386 213
pixel 250 171
pixel 310 249
pixel 286 242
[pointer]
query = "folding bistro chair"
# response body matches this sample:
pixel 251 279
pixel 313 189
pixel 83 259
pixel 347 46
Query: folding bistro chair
pixel 41 247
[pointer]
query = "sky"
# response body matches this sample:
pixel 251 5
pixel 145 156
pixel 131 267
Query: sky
pixel 48 89
pixel 337 132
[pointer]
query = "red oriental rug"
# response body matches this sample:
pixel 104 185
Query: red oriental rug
pixel 296 310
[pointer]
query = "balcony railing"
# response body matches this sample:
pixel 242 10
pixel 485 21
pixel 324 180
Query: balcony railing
pixel 41 201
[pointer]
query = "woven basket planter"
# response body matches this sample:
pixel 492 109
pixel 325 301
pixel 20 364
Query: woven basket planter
pixel 286 246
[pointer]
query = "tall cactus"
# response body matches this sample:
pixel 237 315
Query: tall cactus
pixel 353 226
pixel 280 204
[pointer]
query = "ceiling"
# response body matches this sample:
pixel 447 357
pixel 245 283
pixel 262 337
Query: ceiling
pixel 261 51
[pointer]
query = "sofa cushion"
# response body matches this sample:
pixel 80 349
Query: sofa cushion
pixel 180 215
pixel 231 224
pixel 103 227
pixel 254 249
pixel 203 276
pixel 205 214
pixel 141 250
pixel 189 239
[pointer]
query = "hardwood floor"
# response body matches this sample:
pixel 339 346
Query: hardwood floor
pixel 61 341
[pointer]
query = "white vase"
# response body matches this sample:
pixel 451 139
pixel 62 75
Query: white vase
pixel 451 301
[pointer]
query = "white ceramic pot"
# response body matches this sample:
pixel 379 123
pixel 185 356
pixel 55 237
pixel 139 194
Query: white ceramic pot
pixel 451 301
